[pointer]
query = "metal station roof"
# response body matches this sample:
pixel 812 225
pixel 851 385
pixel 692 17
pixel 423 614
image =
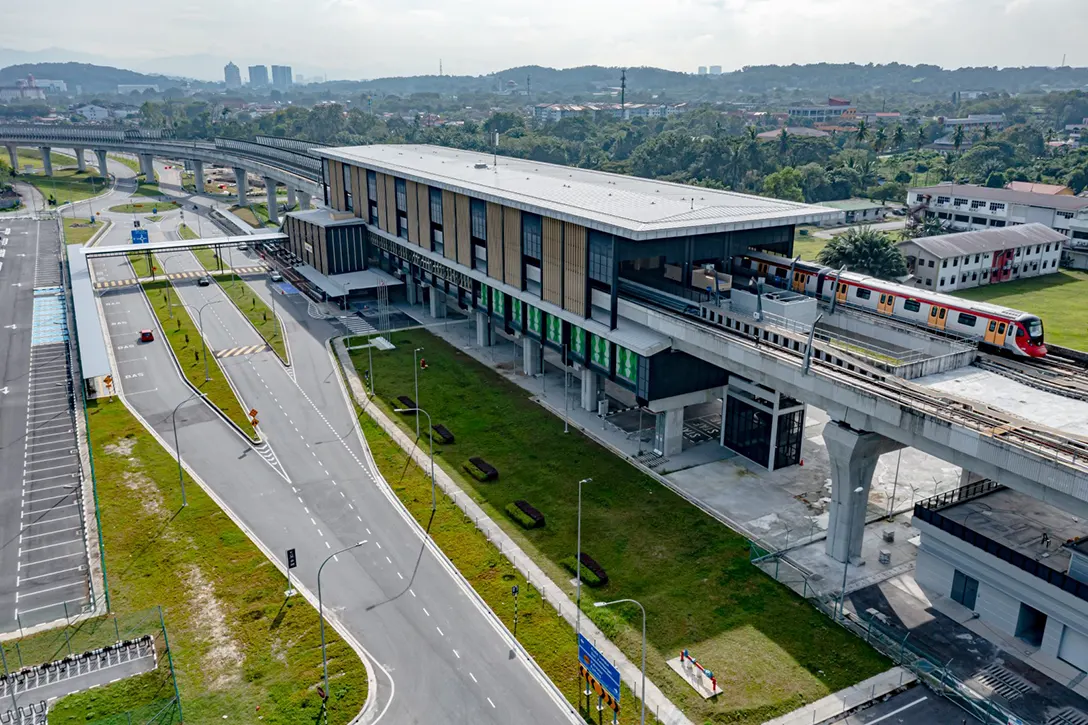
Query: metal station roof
pixel 629 206
pixel 338 285
pixel 94 360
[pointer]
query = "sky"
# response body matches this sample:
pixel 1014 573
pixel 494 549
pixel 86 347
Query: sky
pixel 374 38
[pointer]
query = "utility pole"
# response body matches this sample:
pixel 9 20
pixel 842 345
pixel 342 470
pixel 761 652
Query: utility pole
pixel 623 93
pixel 529 87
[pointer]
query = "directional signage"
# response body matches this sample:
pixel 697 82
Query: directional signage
pixel 292 562
pixel 139 236
pixel 600 670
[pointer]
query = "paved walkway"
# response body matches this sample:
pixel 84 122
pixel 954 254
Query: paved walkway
pixel 656 702
pixel 843 701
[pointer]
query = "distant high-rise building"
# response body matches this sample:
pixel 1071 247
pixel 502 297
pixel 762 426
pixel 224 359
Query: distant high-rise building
pixel 281 77
pixel 232 76
pixel 715 70
pixel 258 75
pixel 702 70
pixel 299 78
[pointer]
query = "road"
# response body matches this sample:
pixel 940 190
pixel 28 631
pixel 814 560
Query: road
pixel 888 226
pixel 916 706
pixel 313 487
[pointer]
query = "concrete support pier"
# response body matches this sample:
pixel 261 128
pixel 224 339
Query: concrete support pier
pixel 291 198
pixel 240 182
pixel 13 157
pixel 273 205
pixel 530 356
pixel 303 201
pixel 147 167
pixel 669 432
pixel 47 160
pixel 81 160
pixel 102 170
pixel 198 175
pixel 853 457
pixel 438 304
pixel 483 329
pixel 591 389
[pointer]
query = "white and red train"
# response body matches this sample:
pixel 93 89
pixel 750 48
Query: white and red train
pixel 1020 333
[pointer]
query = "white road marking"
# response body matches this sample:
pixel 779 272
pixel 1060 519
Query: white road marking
pixel 473 678
pixel 456 655
pixel 440 632
pixel 489 700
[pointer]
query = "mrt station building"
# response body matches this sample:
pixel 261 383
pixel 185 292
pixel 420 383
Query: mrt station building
pixel 558 258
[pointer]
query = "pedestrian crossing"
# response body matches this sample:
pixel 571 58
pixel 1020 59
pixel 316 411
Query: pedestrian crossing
pixel 190 274
pixel 358 326
pixel 50 321
pixel 106 284
pixel 238 351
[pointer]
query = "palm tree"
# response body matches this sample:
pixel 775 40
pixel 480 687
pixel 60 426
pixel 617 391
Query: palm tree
pixel 879 139
pixel 925 226
pixel 864 250
pixel 862 133
pixel 920 139
pixel 898 137
pixel 986 132
pixel 784 144
pixel 957 138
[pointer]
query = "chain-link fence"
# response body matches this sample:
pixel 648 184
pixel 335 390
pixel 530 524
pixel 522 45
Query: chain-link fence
pixel 895 644
pixel 88 644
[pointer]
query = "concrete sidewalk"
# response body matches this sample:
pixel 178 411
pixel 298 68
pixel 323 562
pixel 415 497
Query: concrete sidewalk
pixel 838 703
pixel 656 702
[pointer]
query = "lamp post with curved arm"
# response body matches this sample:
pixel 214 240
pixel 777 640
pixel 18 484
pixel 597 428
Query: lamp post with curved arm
pixel 321 611
pixel 430 427
pixel 177 449
pixel 642 694
pixel 200 325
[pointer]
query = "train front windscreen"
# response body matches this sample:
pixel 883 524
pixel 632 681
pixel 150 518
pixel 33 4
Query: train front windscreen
pixel 1035 331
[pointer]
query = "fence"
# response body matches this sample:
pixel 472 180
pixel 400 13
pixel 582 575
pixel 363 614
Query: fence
pixel 91 636
pixel 894 644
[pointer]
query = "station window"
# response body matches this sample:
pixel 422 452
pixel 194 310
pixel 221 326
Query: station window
pixel 913 305
pixel 372 195
pixel 401 191
pixel 478 211
pixel 863 293
pixel 531 236
pixel 966 319
pixel 349 203
pixel 600 258
pixel 436 206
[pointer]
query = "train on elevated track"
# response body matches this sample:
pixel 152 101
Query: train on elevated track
pixel 992 326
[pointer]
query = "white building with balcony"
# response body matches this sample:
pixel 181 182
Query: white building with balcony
pixel 965 207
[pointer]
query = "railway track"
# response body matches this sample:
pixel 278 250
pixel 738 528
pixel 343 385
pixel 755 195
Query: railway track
pixel 1060 376
pixel 1048 443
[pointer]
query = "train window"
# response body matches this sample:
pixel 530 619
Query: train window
pixel 912 305
pixel 993 325
pixel 883 299
pixel 942 313
pixel 891 299
pixel 863 293
pixel 966 319
pixel 1001 329
pixel 1019 332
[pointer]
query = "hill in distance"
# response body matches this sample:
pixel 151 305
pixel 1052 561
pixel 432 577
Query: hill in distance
pixel 93 78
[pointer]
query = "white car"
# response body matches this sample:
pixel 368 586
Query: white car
pixel 275 276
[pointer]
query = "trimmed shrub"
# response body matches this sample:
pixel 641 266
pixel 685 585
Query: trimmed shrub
pixel 406 402
pixel 593 574
pixel 525 514
pixel 480 469
pixel 444 435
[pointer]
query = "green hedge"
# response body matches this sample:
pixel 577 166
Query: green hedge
pixel 525 520
pixel 588 577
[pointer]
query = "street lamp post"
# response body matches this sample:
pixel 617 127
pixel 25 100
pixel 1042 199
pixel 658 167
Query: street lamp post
pixel 415 369
pixel 417 411
pixel 846 564
pixel 177 449
pixel 203 339
pixel 642 693
pixel 321 612
pixel 578 563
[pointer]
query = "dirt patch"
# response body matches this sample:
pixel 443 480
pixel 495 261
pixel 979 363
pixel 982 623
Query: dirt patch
pixel 122 448
pixel 150 497
pixel 222 661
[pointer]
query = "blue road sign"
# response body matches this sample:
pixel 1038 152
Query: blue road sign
pixel 139 236
pixel 599 667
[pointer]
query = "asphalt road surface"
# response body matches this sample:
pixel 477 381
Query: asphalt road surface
pixel 439 655
pixel 43 556
pixel 916 706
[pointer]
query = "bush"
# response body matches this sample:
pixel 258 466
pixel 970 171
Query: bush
pixel 593 575
pixel 405 402
pixel 525 514
pixel 480 469
pixel 444 435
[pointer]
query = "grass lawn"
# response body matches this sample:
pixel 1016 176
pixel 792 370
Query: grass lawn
pixel 145 188
pixel 246 214
pixel 155 218
pixel 79 231
pixel 139 262
pixel 186 233
pixel 207 258
pixel 131 163
pixel 69 185
pixel 181 332
pixel 807 245
pixel 33 158
pixel 236 643
pixel 256 311
pixel 1058 299
pixel 144 207
pixel 543 633
pixel 770 649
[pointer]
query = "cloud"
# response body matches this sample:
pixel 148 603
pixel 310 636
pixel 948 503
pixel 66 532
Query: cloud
pixel 369 38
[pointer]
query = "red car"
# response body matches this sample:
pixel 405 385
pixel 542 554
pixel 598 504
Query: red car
pixel 146 336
